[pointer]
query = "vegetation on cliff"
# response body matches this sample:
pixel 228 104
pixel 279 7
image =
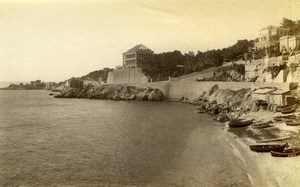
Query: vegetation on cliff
pixel 95 75
pixel 113 92
pixel 175 63
pixel 235 72
pixel 274 70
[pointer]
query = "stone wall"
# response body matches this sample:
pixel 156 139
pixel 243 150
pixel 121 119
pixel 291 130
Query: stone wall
pixel 193 89
pixel 130 75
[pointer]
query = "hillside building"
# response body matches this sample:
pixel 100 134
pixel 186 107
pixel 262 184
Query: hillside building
pixel 288 43
pixel 137 56
pixel 134 60
pixel 74 83
pixel 269 36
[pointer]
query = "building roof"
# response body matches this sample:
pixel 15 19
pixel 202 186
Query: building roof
pixel 139 47
pixel 280 92
pixel 268 27
pixel 263 91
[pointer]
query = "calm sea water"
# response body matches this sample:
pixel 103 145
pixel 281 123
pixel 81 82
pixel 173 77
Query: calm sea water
pixel 79 142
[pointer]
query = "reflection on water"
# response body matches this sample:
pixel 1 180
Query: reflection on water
pixel 47 141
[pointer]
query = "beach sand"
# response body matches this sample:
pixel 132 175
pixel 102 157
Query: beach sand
pixel 275 171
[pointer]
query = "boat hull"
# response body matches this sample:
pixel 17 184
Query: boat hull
pixel 240 123
pixel 261 125
pixel 286 153
pixel 288 111
pixel 267 147
pixel 284 118
pixel 292 123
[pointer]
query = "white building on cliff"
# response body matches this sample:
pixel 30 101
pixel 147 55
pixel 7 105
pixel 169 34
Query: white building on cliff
pixel 133 61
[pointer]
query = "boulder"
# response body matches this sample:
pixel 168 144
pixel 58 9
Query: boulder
pixel 222 117
pixel 155 95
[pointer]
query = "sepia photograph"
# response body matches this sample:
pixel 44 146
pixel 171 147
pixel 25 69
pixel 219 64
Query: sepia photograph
pixel 149 93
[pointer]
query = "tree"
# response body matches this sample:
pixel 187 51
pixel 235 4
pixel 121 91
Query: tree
pixel 287 23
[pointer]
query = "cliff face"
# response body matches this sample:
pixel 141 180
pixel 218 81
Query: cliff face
pixel 113 92
pixel 235 72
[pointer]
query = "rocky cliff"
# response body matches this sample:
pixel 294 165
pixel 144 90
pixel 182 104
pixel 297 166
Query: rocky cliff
pixel 113 92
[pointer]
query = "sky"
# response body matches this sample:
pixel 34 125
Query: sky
pixel 54 40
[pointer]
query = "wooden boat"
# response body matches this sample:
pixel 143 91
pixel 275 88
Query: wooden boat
pixel 284 107
pixel 268 147
pixel 261 125
pixel 51 94
pixel 284 118
pixel 292 123
pixel 288 111
pixel 291 152
pixel 240 122
pixel 274 139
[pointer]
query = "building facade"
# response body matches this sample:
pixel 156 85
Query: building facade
pixel 134 61
pixel 137 56
pixel 288 43
pixel 75 83
pixel 294 41
pixel 269 36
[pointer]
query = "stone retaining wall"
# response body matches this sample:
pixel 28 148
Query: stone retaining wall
pixel 193 89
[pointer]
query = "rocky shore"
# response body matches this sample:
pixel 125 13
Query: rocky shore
pixel 112 92
pixel 225 105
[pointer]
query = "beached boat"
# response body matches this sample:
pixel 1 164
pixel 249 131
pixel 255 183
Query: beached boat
pixel 292 123
pixel 240 122
pixel 288 111
pixel 285 107
pixel 261 125
pixel 268 147
pixel 291 152
pixel 284 118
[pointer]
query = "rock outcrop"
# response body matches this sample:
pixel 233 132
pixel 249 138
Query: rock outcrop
pixel 224 104
pixel 113 92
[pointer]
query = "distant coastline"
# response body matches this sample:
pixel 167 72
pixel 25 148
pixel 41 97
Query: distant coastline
pixel 5 84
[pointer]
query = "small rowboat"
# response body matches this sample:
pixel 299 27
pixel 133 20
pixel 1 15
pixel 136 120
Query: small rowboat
pixel 284 118
pixel 288 111
pixel 291 152
pixel 261 125
pixel 240 122
pixel 292 123
pixel 283 108
pixel 267 147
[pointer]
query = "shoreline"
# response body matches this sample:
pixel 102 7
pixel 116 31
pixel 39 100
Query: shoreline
pixel 112 92
pixel 275 171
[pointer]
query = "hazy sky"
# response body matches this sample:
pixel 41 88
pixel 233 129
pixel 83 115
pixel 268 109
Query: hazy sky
pixel 55 40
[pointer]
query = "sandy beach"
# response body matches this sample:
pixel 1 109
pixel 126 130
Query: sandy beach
pixel 275 171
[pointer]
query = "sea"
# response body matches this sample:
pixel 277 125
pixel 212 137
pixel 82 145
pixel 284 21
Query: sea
pixel 46 141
